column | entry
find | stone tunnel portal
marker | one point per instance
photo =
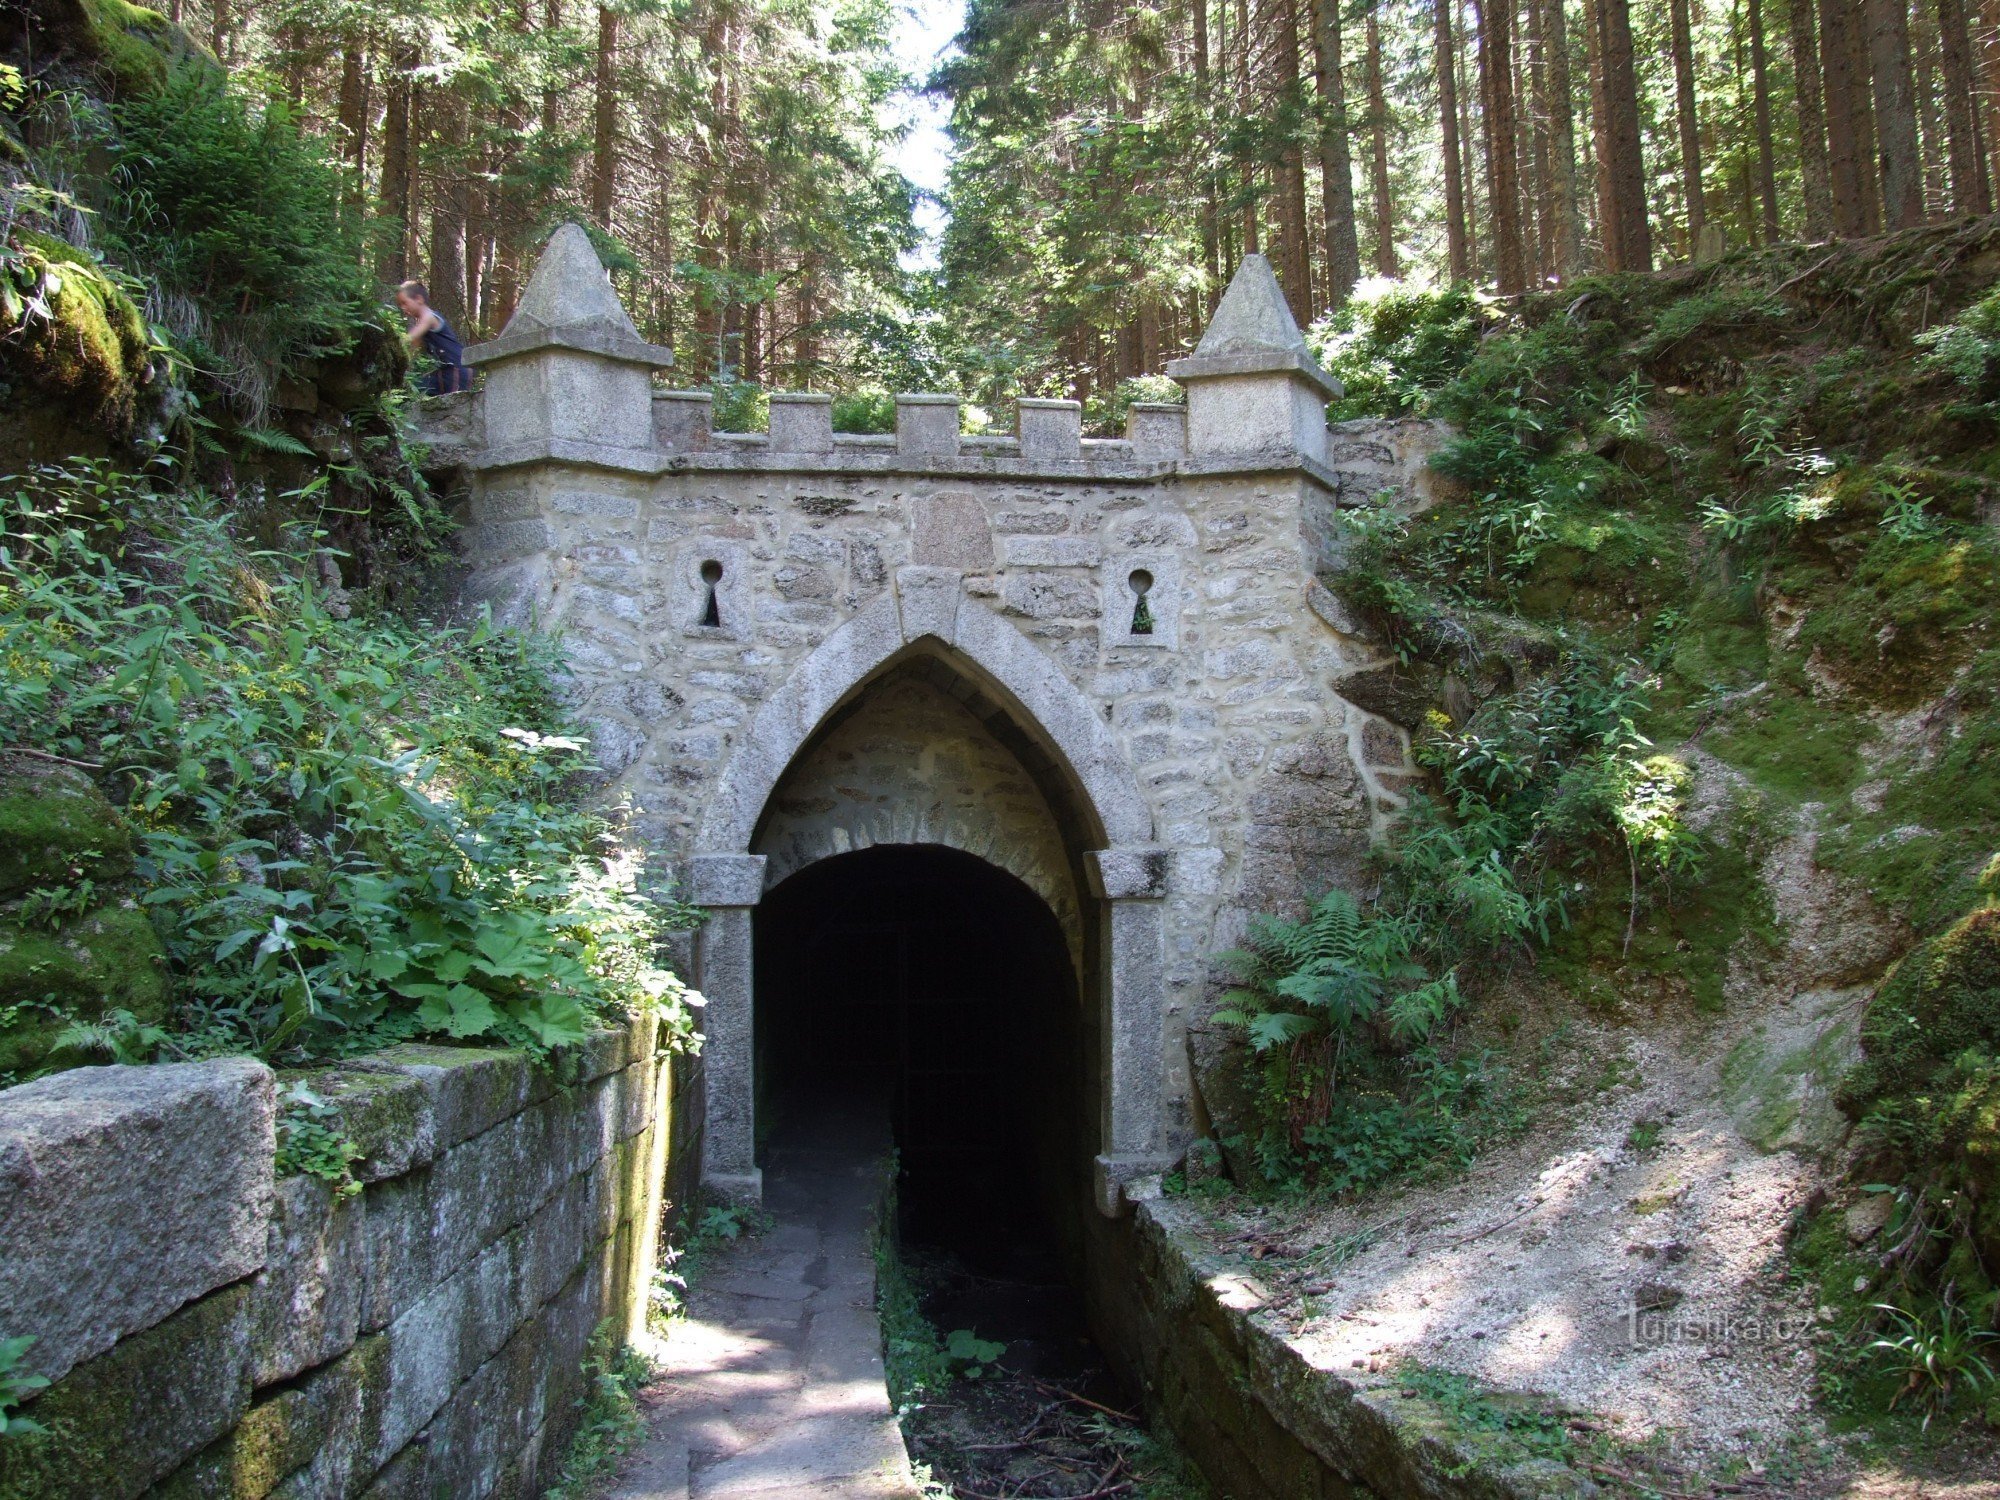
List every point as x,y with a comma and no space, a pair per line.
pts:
922,944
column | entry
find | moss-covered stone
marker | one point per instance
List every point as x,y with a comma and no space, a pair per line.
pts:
327,1421
126,1419
1942,1000
110,959
92,350
127,47
1778,1083
55,826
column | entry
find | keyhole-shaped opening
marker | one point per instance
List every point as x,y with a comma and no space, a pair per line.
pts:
711,609
1141,584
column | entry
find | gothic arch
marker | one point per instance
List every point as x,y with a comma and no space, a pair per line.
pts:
929,611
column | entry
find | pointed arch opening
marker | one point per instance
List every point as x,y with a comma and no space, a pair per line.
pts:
929,721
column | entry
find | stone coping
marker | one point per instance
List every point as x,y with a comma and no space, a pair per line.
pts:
750,453
607,342
1295,362
1361,1426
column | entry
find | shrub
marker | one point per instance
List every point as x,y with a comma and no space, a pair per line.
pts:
350,829
870,409
232,206
1396,345
1105,413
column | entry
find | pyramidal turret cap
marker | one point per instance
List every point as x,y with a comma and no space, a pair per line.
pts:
1254,333
570,304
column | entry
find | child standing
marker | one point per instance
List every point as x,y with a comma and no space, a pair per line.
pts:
433,336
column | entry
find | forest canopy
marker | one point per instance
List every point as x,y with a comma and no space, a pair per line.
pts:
1112,159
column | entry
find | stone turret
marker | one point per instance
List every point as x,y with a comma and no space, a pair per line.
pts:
569,375
1253,388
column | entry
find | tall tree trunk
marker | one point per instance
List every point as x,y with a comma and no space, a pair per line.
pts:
1846,148
1458,256
1740,71
1211,237
1605,191
1294,257
1531,147
1767,155
1687,120
1624,152
1988,43
351,118
1568,259
1861,72
1245,106
1503,184
450,195
1970,193
1896,113
1467,92
1930,112
1343,248
604,119
1814,175
1378,128
552,25
397,156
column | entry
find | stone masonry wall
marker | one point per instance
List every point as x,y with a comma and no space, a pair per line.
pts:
1265,786
213,1331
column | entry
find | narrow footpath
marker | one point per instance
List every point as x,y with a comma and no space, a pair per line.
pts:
771,1387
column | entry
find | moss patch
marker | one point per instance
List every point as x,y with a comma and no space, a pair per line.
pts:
55,826
92,351
119,1422
1940,1001
128,47
107,960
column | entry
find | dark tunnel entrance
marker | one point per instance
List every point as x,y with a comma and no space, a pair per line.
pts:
938,989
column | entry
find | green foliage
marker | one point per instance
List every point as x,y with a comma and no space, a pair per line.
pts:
970,1355
1105,413
1333,974
1967,349
117,1036
1506,1426
71,327
228,204
1935,1356
681,1265
351,829
869,409
1940,1002
16,1388
1346,1014
1396,345
609,1421
311,1140
914,1358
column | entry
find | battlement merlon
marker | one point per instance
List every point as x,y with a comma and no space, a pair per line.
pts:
569,381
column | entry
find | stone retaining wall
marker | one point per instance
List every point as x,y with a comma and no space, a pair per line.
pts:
213,1331
1259,1419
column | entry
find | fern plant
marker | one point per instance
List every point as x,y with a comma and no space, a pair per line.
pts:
1337,971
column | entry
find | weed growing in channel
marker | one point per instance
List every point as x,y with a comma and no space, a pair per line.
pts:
311,1141
610,1421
